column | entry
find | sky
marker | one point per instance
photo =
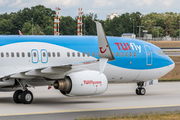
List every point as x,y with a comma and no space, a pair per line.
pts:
100,7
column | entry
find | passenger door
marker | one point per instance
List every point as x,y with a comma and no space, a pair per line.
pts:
148,55
44,56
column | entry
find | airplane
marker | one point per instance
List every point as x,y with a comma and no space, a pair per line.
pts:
78,65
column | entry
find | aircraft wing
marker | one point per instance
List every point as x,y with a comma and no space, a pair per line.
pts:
52,72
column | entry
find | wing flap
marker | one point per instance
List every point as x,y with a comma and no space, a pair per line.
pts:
55,70
36,72
21,76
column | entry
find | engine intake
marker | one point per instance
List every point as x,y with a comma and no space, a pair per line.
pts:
64,85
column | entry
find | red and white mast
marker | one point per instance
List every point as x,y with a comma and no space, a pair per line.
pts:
56,21
79,22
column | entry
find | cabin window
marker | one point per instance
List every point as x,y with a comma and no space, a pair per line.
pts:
49,54
78,54
2,54
134,54
7,54
98,54
12,54
58,54
34,54
121,54
83,54
117,54
29,54
130,54
44,54
126,54
68,54
93,54
17,54
88,54
73,54
53,54
23,55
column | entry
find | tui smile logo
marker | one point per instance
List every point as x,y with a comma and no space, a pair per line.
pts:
100,48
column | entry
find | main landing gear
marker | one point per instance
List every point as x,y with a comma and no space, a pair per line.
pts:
23,96
140,90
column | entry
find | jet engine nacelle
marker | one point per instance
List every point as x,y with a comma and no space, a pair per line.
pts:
82,83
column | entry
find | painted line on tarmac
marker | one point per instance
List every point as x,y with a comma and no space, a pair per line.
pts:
89,110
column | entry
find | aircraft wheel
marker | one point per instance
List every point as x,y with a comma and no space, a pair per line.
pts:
17,96
27,97
137,91
142,91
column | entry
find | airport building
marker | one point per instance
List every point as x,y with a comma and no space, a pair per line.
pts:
129,35
112,16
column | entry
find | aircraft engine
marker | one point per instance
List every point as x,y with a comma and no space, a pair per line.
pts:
82,83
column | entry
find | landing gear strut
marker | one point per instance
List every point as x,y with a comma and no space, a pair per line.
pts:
23,96
140,90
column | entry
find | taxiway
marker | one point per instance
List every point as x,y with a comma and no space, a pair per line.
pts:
119,99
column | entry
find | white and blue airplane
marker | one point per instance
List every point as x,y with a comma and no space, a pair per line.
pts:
78,65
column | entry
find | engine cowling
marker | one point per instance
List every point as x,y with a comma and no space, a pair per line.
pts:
82,83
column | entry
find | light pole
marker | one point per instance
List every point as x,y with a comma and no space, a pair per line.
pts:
179,29
84,26
133,26
140,30
32,26
157,30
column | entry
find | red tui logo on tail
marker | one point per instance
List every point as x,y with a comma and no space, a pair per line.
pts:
100,48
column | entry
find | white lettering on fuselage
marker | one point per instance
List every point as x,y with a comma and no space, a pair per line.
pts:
135,47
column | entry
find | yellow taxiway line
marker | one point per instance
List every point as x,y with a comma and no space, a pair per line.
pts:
88,110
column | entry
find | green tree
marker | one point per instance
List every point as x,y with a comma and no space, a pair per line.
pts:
67,26
49,30
27,29
37,30
6,26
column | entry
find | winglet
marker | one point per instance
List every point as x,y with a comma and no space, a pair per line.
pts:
104,48
20,32
105,53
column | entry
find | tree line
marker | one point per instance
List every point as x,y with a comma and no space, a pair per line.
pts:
42,19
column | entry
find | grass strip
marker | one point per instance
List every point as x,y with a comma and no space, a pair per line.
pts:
149,116
168,80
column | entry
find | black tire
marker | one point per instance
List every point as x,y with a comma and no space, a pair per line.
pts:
17,96
142,91
137,91
27,97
